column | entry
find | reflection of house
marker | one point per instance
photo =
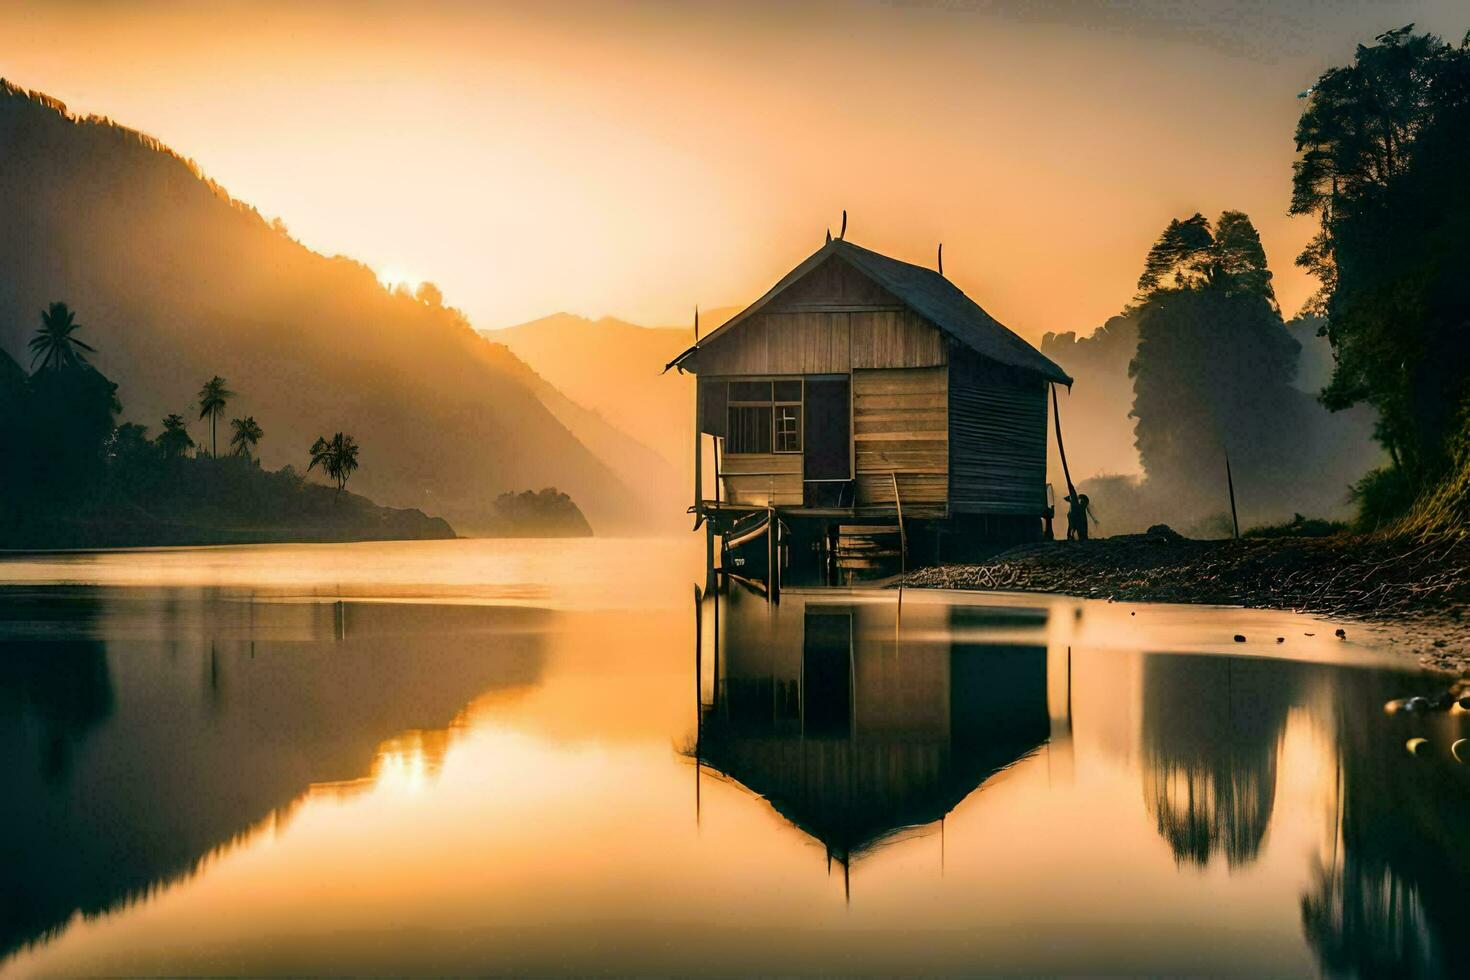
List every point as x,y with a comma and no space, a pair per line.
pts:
854,733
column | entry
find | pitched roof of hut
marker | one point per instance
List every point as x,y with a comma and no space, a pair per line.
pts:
810,783
924,291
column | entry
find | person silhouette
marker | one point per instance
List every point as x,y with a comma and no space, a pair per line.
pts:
1077,515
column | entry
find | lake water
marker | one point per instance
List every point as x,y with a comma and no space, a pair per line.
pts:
481,757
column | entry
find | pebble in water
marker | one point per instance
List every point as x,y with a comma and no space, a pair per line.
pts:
1239,638
1417,746
1461,749
1341,633
1417,704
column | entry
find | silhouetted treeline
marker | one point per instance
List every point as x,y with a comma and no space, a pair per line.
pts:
1382,150
72,477
548,513
1382,154
1201,365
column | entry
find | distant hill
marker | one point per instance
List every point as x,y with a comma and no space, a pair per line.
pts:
647,472
176,281
1096,429
613,368
1099,433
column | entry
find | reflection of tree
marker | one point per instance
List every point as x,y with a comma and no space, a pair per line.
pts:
1393,903
53,694
1212,727
1367,922
63,687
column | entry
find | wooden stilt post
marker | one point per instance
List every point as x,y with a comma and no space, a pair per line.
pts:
698,694
709,557
773,556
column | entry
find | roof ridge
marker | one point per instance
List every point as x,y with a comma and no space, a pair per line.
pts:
925,291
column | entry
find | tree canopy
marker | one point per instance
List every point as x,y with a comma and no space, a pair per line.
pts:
56,345
336,456
1382,148
1213,370
212,398
247,435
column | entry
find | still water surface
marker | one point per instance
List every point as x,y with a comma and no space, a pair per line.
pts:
546,757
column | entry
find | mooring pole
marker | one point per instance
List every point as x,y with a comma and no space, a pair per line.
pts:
698,507
698,694
1056,414
1230,482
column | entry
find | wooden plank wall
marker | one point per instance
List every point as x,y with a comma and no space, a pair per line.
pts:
838,321
764,479
900,424
998,439
824,342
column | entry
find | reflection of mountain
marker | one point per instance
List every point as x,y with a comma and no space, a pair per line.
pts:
1393,903
178,741
855,726
177,282
1212,729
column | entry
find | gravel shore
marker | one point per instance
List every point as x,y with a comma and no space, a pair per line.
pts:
1421,588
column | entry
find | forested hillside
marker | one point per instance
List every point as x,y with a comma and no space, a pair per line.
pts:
178,282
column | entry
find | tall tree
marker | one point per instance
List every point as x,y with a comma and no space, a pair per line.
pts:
212,399
336,456
68,420
1382,147
1213,369
247,434
56,345
174,440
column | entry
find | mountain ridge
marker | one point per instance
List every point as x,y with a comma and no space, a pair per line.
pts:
614,367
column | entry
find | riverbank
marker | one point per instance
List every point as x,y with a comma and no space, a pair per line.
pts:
1420,588
381,524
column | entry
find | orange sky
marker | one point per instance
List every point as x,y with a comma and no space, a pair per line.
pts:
635,159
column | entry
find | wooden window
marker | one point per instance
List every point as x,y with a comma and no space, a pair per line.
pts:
788,428
764,417
749,430
750,391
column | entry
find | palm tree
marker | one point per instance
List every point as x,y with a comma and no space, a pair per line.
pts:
337,457
54,345
174,440
247,434
212,398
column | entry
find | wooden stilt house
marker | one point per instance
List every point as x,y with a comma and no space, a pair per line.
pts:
862,391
